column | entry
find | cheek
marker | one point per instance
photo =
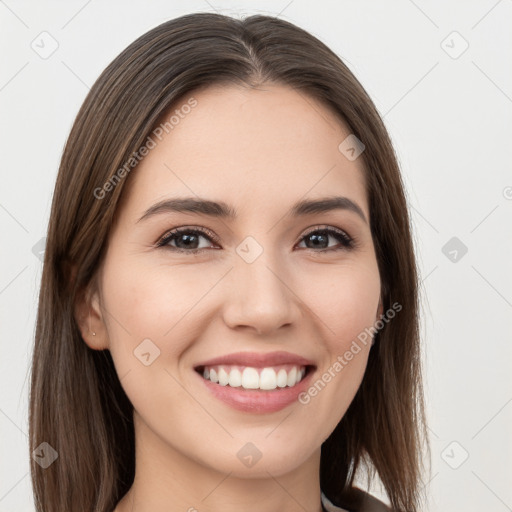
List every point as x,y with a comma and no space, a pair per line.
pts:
149,309
159,302
346,308
151,303
155,302
344,299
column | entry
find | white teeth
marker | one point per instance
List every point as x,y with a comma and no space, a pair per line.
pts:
252,378
268,379
235,378
282,378
292,377
223,377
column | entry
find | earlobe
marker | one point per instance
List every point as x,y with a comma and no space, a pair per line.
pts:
89,318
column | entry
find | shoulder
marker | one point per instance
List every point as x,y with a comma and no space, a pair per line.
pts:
357,501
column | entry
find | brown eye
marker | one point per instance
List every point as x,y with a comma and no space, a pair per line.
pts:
186,239
319,239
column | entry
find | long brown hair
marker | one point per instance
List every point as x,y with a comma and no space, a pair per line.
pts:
77,403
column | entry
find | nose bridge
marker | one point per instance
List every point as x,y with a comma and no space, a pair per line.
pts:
261,297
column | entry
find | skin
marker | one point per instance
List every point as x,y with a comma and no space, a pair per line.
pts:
259,151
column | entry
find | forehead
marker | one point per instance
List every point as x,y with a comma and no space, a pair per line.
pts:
265,147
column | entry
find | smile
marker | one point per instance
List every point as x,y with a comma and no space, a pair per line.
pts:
268,378
256,382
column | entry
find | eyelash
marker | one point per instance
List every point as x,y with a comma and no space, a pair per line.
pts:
347,243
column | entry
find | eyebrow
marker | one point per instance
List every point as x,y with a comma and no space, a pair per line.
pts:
220,209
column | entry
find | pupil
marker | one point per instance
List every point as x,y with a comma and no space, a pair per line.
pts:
318,238
315,238
189,239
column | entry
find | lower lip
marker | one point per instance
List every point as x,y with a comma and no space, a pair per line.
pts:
256,400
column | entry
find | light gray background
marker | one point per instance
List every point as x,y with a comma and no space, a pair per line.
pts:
449,115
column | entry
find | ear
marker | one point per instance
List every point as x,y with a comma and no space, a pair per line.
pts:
89,317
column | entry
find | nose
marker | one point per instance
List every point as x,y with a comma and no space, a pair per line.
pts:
260,297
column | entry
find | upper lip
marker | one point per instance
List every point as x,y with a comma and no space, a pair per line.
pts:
258,359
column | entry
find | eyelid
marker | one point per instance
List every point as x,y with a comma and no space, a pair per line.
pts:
325,227
188,229
350,241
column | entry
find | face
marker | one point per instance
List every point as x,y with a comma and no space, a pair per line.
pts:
267,298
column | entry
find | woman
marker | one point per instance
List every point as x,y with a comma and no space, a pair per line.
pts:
228,314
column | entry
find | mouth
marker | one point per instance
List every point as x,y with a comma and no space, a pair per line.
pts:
269,378
256,382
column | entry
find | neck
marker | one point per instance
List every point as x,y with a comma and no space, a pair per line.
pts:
167,480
